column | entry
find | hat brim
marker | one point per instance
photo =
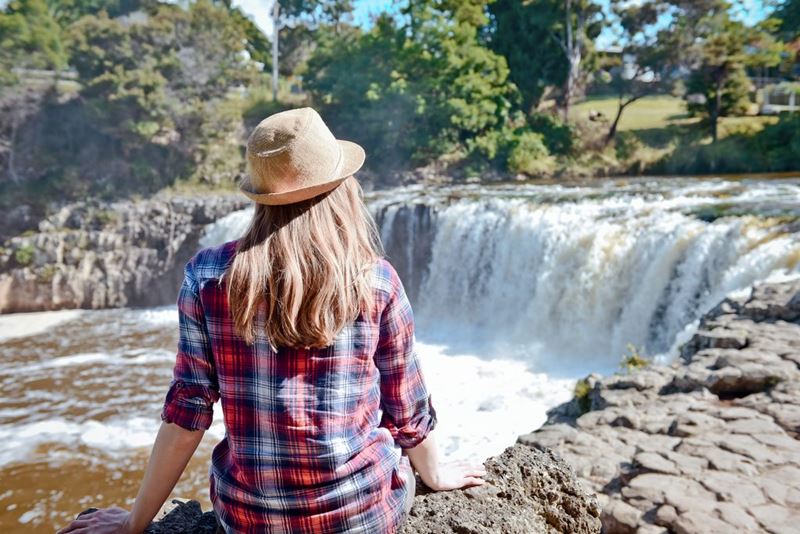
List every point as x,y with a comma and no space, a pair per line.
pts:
353,157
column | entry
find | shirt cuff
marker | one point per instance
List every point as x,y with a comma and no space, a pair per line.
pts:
416,430
189,406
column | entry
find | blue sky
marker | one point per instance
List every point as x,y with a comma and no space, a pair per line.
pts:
365,11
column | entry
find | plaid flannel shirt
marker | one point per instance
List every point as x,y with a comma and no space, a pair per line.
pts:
313,436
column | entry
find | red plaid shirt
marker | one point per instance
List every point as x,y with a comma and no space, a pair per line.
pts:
313,436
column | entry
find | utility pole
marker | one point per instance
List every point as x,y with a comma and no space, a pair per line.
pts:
276,8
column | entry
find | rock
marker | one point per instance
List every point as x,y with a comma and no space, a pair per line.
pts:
709,445
694,522
90,255
527,491
620,518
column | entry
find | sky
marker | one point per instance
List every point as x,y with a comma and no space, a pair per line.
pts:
365,10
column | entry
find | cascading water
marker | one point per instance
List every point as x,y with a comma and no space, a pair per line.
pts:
520,289
566,277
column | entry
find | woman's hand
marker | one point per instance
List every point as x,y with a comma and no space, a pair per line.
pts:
456,475
112,520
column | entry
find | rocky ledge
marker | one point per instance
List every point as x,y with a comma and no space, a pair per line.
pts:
90,255
709,444
527,492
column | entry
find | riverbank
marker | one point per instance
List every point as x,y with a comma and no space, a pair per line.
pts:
708,444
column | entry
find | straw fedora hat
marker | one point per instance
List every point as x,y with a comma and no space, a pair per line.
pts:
293,156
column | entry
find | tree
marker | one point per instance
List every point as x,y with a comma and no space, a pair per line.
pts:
310,13
788,12
416,90
720,54
29,38
646,55
547,44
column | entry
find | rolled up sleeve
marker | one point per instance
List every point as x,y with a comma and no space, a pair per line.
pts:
194,388
407,409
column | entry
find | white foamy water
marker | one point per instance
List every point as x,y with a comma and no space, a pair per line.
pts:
16,325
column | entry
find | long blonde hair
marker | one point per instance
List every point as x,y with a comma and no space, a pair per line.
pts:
310,264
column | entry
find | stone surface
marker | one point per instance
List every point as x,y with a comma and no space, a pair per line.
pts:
708,444
88,255
528,491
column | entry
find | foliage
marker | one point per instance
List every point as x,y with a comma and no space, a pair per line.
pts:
415,91
581,393
29,38
24,255
529,155
772,149
735,93
522,26
788,13
634,359
721,50
155,105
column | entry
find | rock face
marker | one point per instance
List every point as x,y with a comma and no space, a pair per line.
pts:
527,492
709,444
99,256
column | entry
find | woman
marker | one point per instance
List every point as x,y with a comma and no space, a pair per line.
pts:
306,335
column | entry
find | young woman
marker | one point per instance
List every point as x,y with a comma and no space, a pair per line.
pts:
305,333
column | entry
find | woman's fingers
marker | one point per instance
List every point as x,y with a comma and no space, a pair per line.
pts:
473,481
74,526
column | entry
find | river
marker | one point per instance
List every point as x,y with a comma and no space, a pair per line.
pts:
518,290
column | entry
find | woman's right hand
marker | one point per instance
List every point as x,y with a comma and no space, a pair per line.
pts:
456,475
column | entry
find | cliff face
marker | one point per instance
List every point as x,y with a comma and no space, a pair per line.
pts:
90,255
710,444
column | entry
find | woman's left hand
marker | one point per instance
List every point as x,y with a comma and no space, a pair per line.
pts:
112,520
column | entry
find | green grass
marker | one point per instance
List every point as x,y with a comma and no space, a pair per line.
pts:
657,112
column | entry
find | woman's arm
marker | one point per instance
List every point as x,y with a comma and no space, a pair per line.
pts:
172,450
443,477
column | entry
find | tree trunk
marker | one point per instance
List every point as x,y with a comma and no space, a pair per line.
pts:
276,9
717,107
612,133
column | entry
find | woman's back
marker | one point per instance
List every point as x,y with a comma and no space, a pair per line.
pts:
309,446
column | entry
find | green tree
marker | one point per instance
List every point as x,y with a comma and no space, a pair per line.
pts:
548,44
417,90
788,12
646,55
29,38
723,50
68,11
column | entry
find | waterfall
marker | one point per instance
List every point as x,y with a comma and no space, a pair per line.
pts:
566,277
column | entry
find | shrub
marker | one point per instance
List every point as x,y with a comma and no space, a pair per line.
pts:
581,392
24,255
559,138
529,155
634,360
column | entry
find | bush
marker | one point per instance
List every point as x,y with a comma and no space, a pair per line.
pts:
634,360
581,392
529,155
558,136
24,255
